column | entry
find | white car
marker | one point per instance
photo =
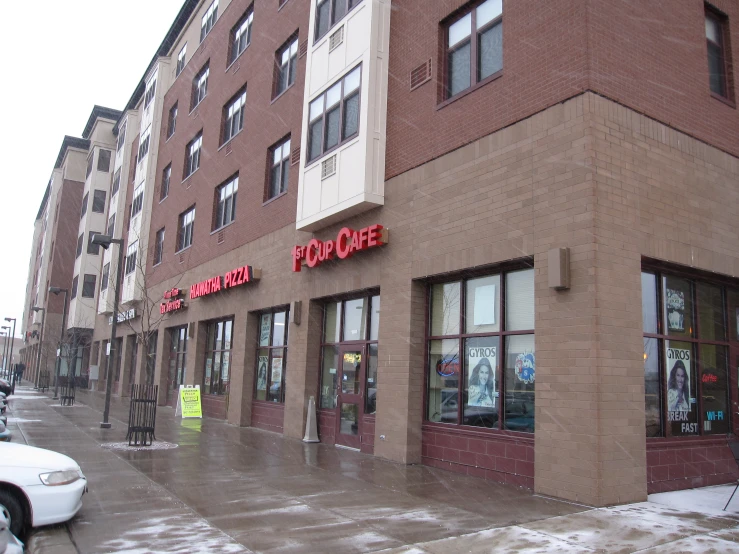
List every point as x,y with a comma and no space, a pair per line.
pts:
38,487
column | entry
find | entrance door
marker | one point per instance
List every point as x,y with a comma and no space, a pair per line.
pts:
177,361
350,398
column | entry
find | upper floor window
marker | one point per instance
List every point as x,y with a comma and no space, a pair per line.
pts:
164,189
200,86
111,226
330,12
85,200
172,120
209,19
150,91
287,62
718,55
159,247
80,242
474,46
192,154
225,206
88,286
105,277
131,257
73,292
92,248
280,171
104,160
121,137
98,201
334,116
138,200
89,164
181,60
233,114
116,182
143,148
241,35
185,229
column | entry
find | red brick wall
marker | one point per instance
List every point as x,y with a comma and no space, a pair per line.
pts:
638,53
214,406
265,123
502,457
268,416
65,242
687,463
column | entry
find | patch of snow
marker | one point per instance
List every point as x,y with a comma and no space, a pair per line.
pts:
21,420
705,500
123,446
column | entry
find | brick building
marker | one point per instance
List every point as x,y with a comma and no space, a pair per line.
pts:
438,220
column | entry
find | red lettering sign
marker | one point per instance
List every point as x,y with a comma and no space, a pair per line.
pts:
172,293
171,306
709,378
346,244
238,276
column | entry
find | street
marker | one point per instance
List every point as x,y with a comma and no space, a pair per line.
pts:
231,489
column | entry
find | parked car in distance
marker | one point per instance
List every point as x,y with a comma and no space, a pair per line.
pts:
38,486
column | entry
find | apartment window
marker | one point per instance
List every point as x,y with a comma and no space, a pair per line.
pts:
104,161
716,30
334,116
480,353
688,340
121,137
280,171
85,198
111,226
209,19
93,249
218,357
143,148
73,292
192,155
133,169
185,229
241,35
105,277
233,114
164,189
88,286
272,356
98,201
172,120
80,242
159,247
225,206
116,182
130,264
138,200
181,60
287,62
150,91
474,46
330,12
200,86
90,158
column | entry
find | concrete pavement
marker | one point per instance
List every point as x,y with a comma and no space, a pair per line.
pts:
231,489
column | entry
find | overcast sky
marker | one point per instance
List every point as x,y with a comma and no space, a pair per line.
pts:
60,58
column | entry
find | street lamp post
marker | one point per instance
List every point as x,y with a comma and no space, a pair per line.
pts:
12,340
5,343
56,291
40,341
105,241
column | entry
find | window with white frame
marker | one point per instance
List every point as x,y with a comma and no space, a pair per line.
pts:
241,35
164,189
200,86
159,247
151,89
185,229
131,257
181,60
233,113
138,200
280,170
334,115
287,63
192,154
209,19
225,203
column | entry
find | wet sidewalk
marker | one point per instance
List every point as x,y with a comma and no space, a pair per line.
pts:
231,489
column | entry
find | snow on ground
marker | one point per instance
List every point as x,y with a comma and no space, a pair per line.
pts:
706,500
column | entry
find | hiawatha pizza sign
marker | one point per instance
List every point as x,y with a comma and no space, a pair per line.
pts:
347,242
239,276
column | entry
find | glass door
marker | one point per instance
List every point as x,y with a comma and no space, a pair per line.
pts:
350,397
177,361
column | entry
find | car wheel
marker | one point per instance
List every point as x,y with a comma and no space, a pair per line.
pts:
12,509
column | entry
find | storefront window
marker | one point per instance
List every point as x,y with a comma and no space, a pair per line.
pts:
218,357
466,381
685,356
272,356
177,361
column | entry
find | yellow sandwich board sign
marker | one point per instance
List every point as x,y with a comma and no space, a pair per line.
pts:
189,402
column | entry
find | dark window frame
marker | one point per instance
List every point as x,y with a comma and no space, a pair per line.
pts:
104,158
166,180
172,120
159,246
284,168
90,160
237,37
223,387
99,196
80,243
271,348
137,204
121,136
75,285
92,248
85,200
724,47
116,183
88,285
181,60
349,5
131,257
203,75
150,93
291,65
105,277
111,226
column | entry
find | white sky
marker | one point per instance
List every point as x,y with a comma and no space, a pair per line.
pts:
60,58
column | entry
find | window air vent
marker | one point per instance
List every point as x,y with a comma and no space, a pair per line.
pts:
336,39
228,149
328,167
421,75
182,258
295,156
221,236
303,50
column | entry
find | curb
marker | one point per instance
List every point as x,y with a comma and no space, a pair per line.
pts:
54,539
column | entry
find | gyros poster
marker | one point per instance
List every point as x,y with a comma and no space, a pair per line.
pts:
678,382
481,364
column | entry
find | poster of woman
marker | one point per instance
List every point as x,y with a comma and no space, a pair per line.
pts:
481,384
262,373
678,380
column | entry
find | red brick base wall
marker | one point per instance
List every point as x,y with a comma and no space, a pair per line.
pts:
327,430
502,457
214,405
268,416
677,464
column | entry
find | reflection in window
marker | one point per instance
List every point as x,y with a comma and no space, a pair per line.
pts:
272,356
216,377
